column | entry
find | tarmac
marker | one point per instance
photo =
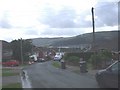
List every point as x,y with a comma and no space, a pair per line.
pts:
17,79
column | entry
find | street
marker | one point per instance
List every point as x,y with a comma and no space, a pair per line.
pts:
44,75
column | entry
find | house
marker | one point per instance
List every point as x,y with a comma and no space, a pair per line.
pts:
6,51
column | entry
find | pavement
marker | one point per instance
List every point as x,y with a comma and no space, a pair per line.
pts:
44,75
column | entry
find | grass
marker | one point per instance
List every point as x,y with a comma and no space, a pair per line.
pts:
8,72
76,71
6,69
89,66
56,64
13,85
5,74
23,65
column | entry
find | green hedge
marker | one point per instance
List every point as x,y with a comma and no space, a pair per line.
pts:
100,59
73,59
85,55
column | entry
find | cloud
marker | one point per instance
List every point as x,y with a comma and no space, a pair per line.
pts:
67,17
31,32
4,22
64,31
119,14
58,31
55,18
107,14
61,19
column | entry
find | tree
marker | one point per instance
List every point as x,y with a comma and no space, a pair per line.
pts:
16,47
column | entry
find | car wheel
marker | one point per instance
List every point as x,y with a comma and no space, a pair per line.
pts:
12,65
101,83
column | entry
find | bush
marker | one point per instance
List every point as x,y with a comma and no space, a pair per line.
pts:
84,55
100,59
73,59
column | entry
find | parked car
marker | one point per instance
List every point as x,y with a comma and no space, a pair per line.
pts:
11,63
108,78
41,60
33,58
57,57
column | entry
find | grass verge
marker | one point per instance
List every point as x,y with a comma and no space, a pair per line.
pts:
8,72
13,85
56,64
89,66
5,74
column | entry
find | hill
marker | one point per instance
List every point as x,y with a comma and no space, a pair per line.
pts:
43,42
105,39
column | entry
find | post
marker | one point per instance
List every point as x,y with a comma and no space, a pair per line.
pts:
1,64
93,24
63,64
59,50
21,51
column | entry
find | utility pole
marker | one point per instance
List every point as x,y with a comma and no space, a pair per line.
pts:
21,51
93,24
93,42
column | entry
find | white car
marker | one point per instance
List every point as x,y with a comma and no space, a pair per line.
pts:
57,57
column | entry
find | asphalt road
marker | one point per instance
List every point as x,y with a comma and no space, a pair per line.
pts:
44,75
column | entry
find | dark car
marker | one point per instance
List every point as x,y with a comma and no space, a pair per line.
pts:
41,60
108,78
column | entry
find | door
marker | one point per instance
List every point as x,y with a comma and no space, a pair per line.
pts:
111,76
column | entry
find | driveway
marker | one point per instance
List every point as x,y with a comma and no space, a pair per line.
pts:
44,75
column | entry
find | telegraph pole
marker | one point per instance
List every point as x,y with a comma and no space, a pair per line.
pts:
93,24
21,51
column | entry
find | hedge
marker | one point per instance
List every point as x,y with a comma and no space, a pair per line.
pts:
85,55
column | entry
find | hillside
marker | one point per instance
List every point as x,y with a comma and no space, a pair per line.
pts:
46,41
106,39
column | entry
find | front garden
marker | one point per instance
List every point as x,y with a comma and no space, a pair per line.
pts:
94,60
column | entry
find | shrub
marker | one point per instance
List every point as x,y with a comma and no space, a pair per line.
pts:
100,59
73,59
85,55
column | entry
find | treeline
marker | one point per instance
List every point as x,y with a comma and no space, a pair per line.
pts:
16,46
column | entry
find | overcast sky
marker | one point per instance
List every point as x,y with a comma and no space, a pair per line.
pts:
55,18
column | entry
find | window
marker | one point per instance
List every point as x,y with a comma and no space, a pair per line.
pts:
116,67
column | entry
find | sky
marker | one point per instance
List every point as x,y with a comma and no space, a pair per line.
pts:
55,18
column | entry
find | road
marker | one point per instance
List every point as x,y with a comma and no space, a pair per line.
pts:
44,75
